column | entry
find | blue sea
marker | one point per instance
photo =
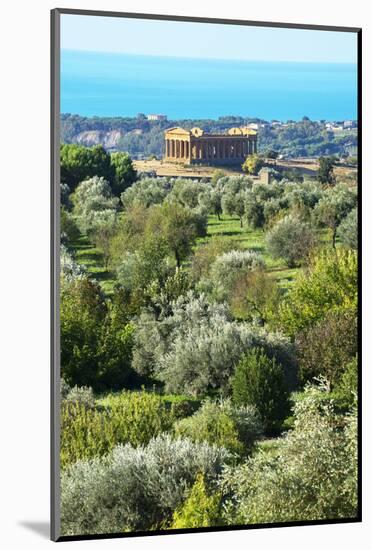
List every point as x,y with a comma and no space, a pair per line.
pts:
105,84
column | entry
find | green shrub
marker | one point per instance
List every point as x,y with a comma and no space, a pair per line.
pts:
327,347
181,406
312,475
260,381
201,508
348,385
330,284
134,488
96,346
129,417
228,267
290,239
221,424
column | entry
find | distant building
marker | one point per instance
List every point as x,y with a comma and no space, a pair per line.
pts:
156,117
195,146
348,124
334,127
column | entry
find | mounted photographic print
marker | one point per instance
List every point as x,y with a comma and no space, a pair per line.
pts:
205,274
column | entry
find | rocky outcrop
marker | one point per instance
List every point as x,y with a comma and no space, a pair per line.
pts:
109,139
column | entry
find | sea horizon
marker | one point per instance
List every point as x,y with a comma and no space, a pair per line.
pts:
122,85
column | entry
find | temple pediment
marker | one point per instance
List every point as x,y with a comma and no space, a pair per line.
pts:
178,131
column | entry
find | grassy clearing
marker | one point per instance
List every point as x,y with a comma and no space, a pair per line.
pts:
90,257
229,228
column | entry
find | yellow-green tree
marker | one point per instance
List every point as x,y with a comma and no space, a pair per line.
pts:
201,508
252,164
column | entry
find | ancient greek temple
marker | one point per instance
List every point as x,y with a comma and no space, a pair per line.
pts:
196,147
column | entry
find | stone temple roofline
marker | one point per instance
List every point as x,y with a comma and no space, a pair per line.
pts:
198,132
196,146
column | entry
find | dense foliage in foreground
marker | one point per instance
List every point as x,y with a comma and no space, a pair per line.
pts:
311,475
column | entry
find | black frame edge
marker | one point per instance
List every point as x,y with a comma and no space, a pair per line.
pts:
54,283
194,19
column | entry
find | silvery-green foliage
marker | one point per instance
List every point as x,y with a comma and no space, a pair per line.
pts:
348,229
157,328
203,358
186,192
291,239
303,196
233,184
146,192
81,394
94,204
193,345
69,268
137,271
134,488
312,475
248,422
228,267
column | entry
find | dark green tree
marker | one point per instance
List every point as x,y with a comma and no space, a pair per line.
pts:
326,170
79,163
260,381
124,172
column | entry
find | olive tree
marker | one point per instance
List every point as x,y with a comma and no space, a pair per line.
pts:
291,240
334,207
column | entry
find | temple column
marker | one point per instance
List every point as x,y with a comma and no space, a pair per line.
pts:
182,149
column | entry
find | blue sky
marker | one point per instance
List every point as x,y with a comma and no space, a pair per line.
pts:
203,40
